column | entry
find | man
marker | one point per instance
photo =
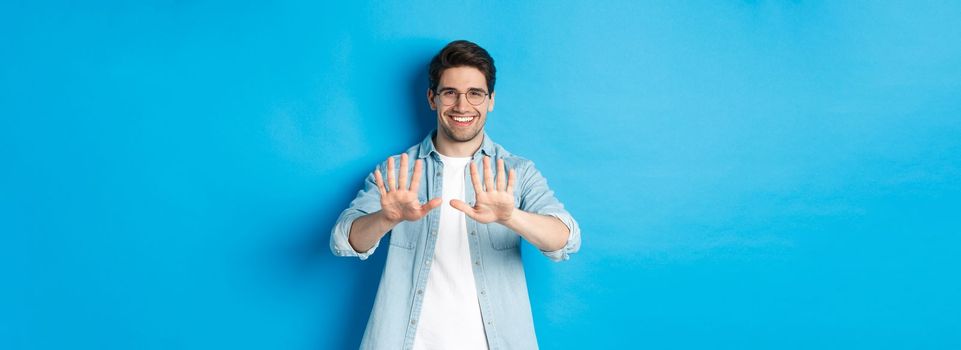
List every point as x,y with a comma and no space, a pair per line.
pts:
454,277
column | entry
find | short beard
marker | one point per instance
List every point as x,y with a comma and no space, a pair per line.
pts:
450,133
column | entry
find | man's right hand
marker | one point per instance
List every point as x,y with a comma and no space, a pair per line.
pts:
397,202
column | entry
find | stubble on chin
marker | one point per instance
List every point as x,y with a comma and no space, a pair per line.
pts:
461,138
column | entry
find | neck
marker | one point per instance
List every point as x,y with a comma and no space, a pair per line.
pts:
452,148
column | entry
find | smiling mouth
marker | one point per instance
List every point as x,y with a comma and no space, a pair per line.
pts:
462,120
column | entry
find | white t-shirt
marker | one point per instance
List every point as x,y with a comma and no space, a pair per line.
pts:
450,315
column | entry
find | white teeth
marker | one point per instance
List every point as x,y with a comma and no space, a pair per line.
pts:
463,119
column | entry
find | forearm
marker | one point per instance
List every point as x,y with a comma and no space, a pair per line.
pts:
547,233
367,230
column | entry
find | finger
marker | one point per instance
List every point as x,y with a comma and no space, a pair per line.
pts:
462,206
430,205
488,175
391,182
418,170
403,171
380,181
501,176
475,179
511,178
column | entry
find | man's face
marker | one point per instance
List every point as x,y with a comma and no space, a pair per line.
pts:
461,121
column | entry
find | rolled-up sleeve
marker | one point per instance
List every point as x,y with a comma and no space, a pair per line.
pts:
538,198
367,201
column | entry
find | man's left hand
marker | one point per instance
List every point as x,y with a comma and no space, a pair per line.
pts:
496,204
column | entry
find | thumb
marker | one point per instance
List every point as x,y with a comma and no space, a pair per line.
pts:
430,205
462,206
433,203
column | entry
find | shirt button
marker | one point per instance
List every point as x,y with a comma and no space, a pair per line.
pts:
415,322
483,292
421,291
477,262
473,233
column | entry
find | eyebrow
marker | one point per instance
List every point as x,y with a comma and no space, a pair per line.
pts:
469,89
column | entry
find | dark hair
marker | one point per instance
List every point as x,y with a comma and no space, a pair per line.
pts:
461,53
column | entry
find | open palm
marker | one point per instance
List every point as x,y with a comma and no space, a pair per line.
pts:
496,204
398,202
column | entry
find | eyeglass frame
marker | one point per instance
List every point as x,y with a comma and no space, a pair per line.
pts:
438,94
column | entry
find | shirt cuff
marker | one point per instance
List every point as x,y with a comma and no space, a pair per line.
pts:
339,243
573,239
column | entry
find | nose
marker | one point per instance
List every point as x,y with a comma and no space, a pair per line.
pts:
461,104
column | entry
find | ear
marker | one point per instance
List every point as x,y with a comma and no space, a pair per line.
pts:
490,106
430,99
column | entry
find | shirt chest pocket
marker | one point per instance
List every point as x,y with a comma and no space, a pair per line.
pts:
501,238
405,234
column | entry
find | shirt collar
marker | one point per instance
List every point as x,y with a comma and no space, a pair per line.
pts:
427,146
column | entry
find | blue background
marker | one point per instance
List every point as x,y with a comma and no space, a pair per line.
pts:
747,174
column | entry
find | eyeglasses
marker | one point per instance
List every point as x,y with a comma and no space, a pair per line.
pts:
450,96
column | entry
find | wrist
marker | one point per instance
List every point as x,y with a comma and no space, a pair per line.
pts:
509,221
388,222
